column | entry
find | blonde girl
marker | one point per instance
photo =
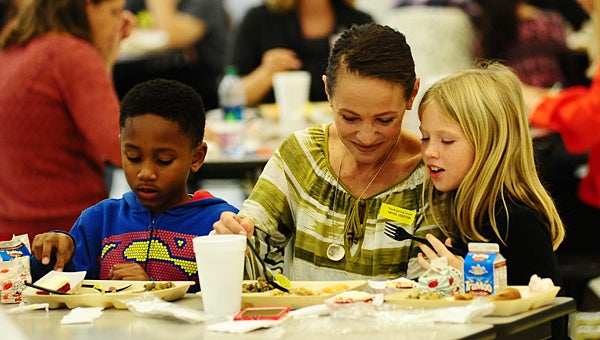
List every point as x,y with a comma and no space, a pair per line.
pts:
483,184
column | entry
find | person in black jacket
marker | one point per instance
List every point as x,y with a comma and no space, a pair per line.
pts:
289,35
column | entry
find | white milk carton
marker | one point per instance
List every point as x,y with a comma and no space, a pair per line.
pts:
484,269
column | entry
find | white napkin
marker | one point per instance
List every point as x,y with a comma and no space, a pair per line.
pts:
82,315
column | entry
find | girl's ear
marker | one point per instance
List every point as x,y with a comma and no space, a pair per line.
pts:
198,155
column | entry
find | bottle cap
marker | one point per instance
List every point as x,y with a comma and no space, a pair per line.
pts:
230,69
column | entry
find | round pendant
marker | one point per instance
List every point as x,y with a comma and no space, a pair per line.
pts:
335,252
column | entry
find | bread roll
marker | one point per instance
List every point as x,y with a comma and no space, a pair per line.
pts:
507,294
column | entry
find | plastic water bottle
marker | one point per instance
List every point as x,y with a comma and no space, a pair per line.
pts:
232,99
232,96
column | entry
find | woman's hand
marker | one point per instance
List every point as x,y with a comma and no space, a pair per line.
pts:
231,223
258,82
438,251
280,59
128,271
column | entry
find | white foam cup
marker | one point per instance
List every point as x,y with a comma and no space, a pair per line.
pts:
292,89
220,260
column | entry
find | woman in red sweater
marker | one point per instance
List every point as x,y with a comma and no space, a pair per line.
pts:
59,111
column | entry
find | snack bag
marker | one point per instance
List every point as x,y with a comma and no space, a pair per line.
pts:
17,247
14,268
441,278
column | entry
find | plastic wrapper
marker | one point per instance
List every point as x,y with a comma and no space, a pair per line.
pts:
398,287
354,304
441,278
388,321
149,305
14,268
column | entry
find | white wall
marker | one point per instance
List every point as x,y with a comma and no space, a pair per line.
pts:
377,8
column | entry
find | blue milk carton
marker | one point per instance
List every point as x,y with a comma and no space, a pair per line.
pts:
484,269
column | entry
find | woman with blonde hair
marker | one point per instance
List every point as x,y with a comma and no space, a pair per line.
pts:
483,185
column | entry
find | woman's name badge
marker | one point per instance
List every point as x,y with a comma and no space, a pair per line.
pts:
397,214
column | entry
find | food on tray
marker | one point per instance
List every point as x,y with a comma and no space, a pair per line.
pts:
58,283
352,296
463,296
508,293
538,285
401,283
303,291
427,295
336,288
296,291
152,286
260,285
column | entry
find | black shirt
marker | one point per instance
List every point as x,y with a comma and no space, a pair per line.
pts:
262,30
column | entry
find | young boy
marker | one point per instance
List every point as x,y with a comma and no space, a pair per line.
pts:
147,234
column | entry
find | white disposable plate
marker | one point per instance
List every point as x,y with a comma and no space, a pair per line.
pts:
502,307
90,297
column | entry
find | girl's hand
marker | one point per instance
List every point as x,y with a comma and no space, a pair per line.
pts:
129,272
231,223
438,251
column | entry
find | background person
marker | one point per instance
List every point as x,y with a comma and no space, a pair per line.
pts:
8,12
573,113
197,31
59,111
319,208
284,35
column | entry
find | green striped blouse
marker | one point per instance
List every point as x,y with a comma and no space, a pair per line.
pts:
296,218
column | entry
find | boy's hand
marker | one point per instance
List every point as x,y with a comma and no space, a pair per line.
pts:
129,272
46,244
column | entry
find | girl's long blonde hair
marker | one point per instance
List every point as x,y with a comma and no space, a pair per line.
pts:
488,104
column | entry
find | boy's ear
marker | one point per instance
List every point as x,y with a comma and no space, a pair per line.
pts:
199,153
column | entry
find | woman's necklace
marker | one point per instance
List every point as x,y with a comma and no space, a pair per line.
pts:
335,251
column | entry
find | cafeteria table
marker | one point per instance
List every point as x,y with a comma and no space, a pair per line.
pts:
123,324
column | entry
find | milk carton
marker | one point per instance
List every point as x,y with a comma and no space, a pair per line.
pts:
484,269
